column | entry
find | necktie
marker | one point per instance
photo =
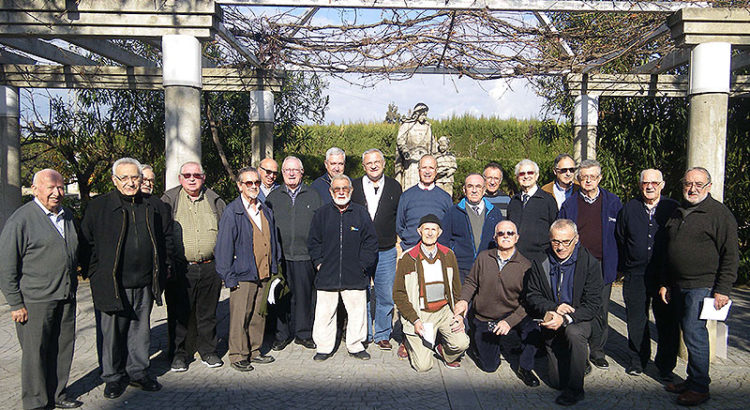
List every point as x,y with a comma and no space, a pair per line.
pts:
376,189
525,199
475,208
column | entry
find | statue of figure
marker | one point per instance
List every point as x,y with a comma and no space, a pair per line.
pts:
446,166
414,140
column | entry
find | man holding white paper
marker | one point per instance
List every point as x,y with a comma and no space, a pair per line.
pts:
426,287
703,258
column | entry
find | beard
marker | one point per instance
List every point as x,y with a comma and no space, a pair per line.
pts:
342,201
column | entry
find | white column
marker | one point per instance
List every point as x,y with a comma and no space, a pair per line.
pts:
708,98
182,79
10,153
261,123
585,121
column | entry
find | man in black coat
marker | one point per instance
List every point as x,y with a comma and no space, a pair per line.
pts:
343,247
380,195
565,290
127,240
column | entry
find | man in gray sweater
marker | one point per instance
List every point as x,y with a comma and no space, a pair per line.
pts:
38,262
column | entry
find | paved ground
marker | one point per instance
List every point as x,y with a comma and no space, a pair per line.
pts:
295,381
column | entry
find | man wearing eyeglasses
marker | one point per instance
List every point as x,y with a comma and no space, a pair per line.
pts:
149,178
494,285
193,289
335,162
269,171
641,239
703,258
493,177
564,186
595,210
564,292
532,210
126,248
247,256
293,205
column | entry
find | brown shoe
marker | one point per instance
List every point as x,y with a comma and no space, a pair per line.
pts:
692,398
384,345
677,388
402,353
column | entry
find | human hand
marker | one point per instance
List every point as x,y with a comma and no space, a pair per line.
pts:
20,315
419,328
458,324
502,328
720,300
553,321
461,307
564,309
664,295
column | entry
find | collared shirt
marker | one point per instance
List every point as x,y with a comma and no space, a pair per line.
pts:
371,196
426,187
197,226
478,208
502,262
254,213
58,220
561,194
591,200
267,190
292,192
531,192
428,254
651,209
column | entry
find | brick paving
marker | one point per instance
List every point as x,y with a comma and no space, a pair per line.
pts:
295,381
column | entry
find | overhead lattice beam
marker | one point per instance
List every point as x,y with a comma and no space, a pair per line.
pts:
8,57
235,44
643,85
112,51
46,51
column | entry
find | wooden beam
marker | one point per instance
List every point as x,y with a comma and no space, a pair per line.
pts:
235,44
550,26
46,51
643,85
132,6
495,5
663,29
729,25
672,60
112,51
8,57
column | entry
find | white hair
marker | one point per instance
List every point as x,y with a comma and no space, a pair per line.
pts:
192,163
661,177
292,158
127,160
590,163
373,150
526,162
562,224
335,151
340,177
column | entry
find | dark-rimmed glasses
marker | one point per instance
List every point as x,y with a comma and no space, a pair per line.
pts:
194,175
505,233
250,184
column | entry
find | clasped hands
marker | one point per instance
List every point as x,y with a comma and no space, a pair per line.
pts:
554,319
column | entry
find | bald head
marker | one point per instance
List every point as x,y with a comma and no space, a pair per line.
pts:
268,171
49,189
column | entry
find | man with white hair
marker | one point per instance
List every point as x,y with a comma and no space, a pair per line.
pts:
149,179
335,162
703,258
532,210
343,245
126,248
38,276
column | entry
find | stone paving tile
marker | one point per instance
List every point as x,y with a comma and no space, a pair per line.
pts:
295,381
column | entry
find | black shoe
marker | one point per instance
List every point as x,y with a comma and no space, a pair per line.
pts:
527,377
362,355
178,364
587,371
568,400
212,360
600,363
68,404
113,390
634,371
279,345
146,384
307,343
319,357
242,366
264,359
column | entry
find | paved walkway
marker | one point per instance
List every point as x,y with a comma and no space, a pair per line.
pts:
295,381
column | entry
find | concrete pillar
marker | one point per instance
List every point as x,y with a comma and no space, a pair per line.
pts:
585,121
708,97
10,153
182,79
261,125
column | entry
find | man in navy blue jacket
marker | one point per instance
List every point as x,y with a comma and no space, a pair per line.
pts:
469,226
247,255
594,210
343,246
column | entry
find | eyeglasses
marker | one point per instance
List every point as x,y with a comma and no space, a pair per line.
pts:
697,185
505,233
588,177
250,184
128,178
150,180
268,171
291,170
524,173
340,189
196,176
557,242
565,170
651,183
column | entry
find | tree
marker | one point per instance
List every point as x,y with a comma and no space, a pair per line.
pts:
392,116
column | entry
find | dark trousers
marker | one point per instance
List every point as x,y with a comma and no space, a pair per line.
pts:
600,325
46,340
126,337
299,321
689,303
567,350
637,301
487,344
191,310
668,336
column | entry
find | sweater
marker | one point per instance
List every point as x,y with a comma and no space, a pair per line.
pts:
414,204
703,249
533,222
322,186
385,216
293,221
458,234
496,293
36,263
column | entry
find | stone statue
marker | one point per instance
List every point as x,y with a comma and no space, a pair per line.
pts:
446,166
414,140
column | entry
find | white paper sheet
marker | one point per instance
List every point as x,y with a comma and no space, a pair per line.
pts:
429,333
272,291
709,312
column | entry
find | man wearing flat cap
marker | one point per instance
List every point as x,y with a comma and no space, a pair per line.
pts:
426,287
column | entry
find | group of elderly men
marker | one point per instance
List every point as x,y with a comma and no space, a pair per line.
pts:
539,264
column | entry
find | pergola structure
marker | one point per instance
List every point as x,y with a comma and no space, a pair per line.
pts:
34,53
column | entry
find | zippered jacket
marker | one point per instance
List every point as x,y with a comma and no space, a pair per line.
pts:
344,245
103,229
459,236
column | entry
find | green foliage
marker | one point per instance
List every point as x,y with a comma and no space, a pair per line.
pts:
392,116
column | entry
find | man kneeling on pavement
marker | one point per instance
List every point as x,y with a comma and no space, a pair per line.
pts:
495,284
426,286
